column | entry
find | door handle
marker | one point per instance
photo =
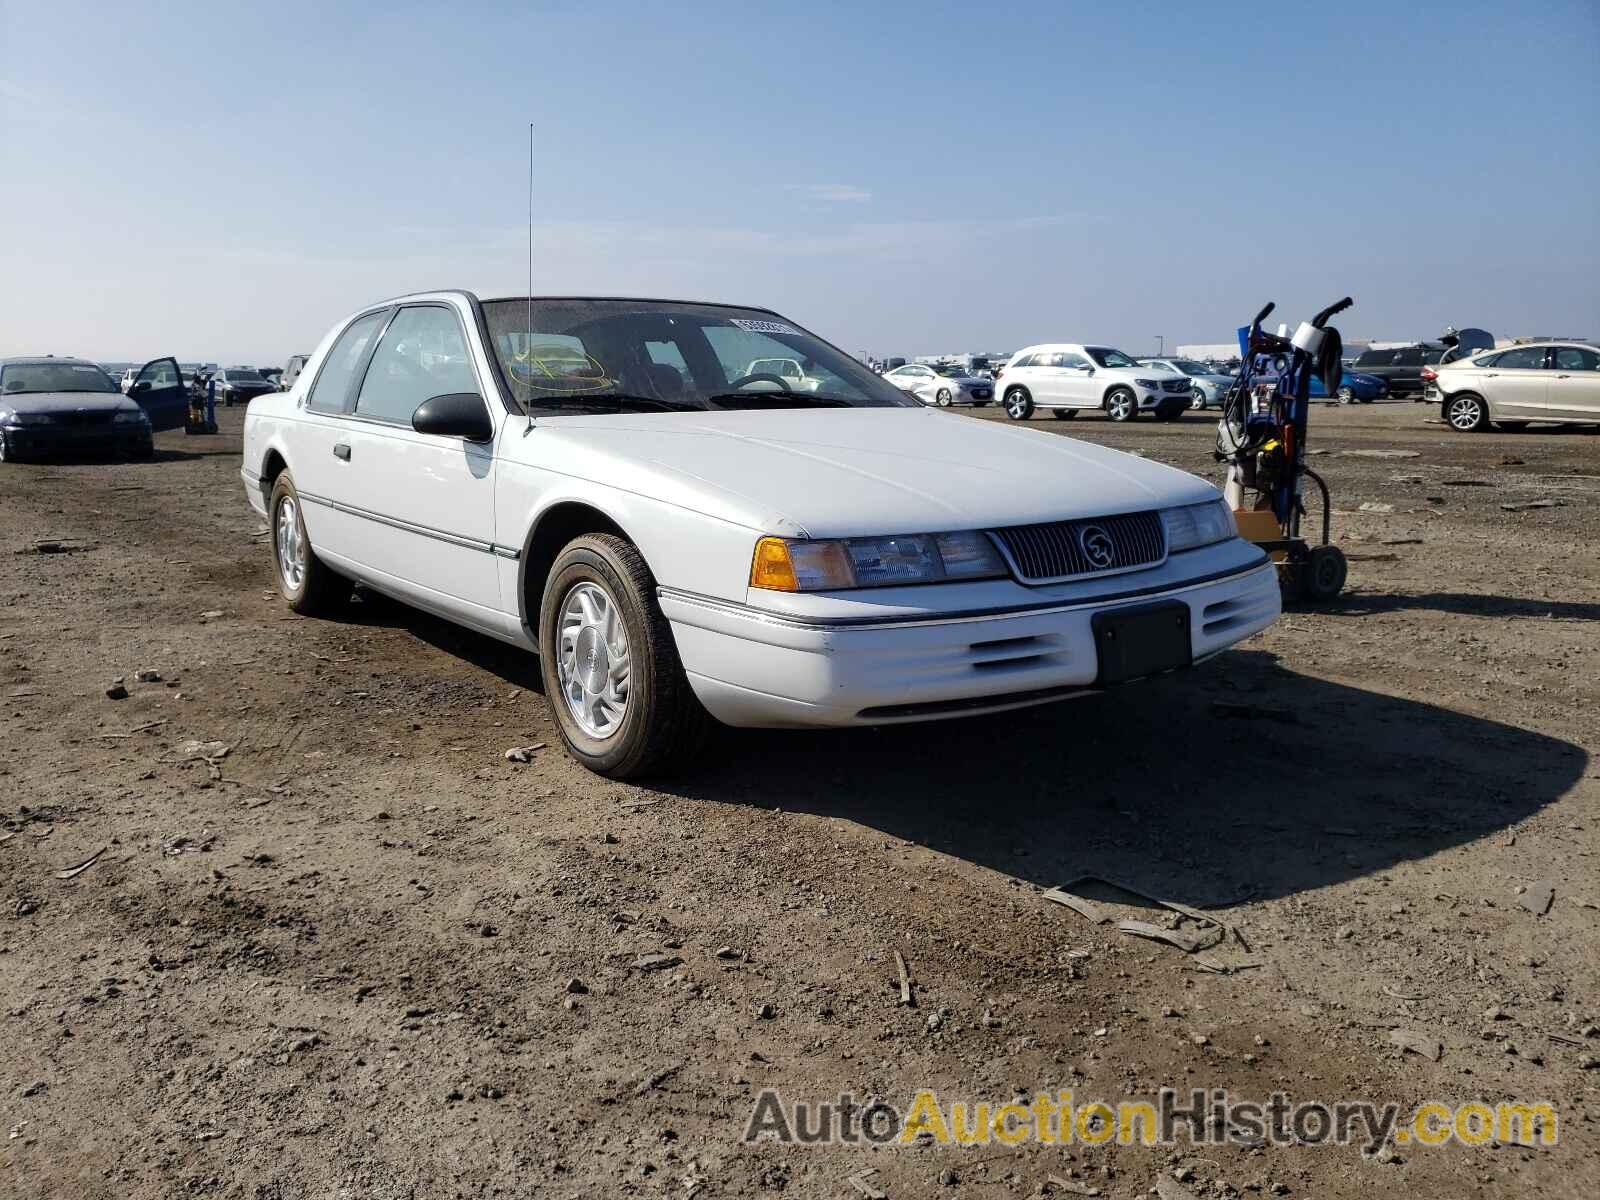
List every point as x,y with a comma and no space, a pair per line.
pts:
341,450
1563,377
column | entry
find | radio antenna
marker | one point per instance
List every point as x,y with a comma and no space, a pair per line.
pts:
527,346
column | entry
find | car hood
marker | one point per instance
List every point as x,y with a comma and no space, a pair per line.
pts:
852,472
66,402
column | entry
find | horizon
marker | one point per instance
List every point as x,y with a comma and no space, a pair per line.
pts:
893,189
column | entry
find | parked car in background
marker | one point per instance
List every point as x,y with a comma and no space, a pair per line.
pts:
271,375
291,371
1401,368
1069,377
686,545
942,385
1544,381
1210,385
240,385
1355,387
67,405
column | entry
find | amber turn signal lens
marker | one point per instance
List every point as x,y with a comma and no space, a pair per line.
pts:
772,567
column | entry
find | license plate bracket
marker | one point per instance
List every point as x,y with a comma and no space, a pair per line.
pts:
1132,643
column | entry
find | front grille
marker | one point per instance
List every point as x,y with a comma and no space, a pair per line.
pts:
79,419
1175,385
1046,553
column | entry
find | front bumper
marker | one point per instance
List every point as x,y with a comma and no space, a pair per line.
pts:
43,440
754,668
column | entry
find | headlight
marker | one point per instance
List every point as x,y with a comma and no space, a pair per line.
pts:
130,418
1198,525
798,565
1153,385
32,419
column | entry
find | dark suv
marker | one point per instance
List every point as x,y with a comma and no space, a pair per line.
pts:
1402,368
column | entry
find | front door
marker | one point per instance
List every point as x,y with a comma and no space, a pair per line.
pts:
158,389
425,502
1077,382
1574,389
1516,383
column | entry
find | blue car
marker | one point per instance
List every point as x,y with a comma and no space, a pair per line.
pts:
1353,387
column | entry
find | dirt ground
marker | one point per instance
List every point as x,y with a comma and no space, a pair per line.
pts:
336,961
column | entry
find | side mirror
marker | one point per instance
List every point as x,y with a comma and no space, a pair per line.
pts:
1088,371
140,387
455,414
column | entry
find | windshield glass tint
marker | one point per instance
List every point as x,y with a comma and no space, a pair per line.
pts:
1189,367
54,377
1109,358
693,356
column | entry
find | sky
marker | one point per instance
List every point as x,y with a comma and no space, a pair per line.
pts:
224,181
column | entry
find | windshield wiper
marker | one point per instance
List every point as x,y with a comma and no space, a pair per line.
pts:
622,400
775,400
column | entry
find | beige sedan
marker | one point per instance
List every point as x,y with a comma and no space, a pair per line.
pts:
1511,387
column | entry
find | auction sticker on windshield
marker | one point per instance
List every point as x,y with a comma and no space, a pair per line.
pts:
762,326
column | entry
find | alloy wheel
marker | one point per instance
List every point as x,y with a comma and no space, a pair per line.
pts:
1465,414
592,660
1347,395
291,547
1121,407
943,398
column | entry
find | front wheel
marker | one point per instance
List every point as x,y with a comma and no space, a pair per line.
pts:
1121,405
612,676
1466,414
1019,405
942,398
310,587
1198,400
1347,395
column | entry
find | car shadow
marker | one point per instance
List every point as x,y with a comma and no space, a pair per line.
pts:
1237,781
1359,604
1241,780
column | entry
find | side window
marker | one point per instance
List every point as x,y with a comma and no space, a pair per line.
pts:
423,354
1571,358
1027,360
332,387
1075,361
1524,358
1375,358
1409,358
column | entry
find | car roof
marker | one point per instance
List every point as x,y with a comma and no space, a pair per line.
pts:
44,359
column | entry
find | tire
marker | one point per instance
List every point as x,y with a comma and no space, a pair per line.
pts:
1019,405
6,454
1198,400
1324,572
1466,413
1121,404
942,398
1347,395
662,725
1511,426
311,587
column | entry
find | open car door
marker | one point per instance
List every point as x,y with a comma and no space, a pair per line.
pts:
158,389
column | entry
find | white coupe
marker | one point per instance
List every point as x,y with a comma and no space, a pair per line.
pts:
683,541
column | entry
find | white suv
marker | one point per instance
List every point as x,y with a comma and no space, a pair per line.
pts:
1066,377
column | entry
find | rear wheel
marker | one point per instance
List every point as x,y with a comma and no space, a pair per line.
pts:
310,587
1121,405
1466,413
612,675
1019,405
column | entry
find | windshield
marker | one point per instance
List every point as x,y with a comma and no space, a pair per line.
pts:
1189,367
950,369
1109,358
587,354
240,375
23,378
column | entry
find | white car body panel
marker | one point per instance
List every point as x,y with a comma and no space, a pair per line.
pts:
1560,392
445,525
